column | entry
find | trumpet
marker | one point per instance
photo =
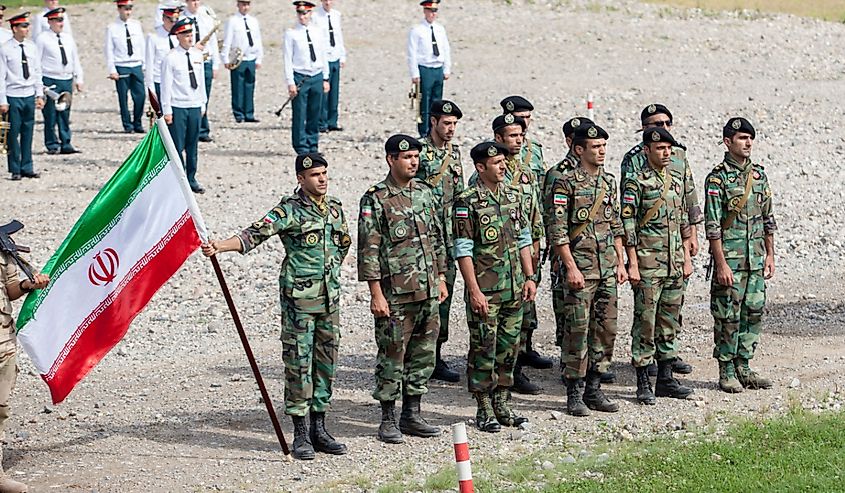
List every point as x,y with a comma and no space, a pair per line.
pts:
236,57
4,133
62,100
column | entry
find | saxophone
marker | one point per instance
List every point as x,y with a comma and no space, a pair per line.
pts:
204,40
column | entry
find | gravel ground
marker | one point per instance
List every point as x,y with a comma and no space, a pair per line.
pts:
174,406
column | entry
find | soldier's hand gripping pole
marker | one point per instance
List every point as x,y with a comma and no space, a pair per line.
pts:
264,395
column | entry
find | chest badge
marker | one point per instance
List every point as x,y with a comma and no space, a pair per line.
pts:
312,239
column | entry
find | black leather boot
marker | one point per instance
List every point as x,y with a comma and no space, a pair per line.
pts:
321,439
667,385
532,358
574,403
411,423
681,367
594,398
522,384
302,448
442,371
645,394
387,430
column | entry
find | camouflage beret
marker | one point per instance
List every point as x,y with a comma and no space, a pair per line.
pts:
401,143
572,124
484,150
737,125
310,160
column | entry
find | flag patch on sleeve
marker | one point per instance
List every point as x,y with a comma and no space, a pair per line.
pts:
713,192
366,211
461,212
560,199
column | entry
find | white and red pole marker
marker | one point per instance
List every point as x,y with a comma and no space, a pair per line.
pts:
459,438
590,112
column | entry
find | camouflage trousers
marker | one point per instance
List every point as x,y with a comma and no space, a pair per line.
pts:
493,345
657,312
446,305
8,376
309,350
558,306
738,315
590,315
406,342
529,319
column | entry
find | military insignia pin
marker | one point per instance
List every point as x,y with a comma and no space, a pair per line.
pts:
736,124
307,162
404,145
311,239
509,119
447,108
592,133
492,151
582,214
509,105
655,136
485,220
652,108
575,123
490,234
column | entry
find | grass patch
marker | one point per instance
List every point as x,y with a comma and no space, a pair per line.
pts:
831,10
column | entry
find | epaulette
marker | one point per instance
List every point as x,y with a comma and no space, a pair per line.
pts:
334,200
536,143
422,182
680,145
758,165
466,193
719,168
636,150
378,186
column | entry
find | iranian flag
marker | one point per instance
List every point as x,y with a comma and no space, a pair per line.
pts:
132,238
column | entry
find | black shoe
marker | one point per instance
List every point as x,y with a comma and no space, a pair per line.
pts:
31,175
53,151
411,423
139,131
388,432
608,377
239,120
321,439
444,373
324,130
302,448
681,366
198,189
206,138
522,384
336,129
16,177
251,120
535,360
485,417
645,394
667,385
68,150
127,130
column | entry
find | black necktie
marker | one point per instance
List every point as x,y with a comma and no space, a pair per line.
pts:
197,30
310,46
248,34
331,30
24,63
191,71
434,47
62,49
129,49
170,41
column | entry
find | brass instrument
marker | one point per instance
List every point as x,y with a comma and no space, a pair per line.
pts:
62,100
415,95
204,40
236,57
4,133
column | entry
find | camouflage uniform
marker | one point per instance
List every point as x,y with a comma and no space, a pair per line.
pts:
316,241
658,240
738,310
590,312
445,186
400,243
8,340
492,229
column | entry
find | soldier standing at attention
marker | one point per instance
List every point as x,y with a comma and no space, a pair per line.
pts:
125,63
587,235
307,77
493,247
429,59
159,44
329,20
654,216
204,22
313,230
657,115
402,258
740,226
440,167
243,34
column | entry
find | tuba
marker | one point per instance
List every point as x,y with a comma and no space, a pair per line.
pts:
236,56
61,100
4,133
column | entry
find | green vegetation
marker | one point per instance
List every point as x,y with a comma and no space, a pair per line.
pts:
831,10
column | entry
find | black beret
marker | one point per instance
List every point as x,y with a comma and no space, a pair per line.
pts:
310,160
654,109
444,107
516,103
484,150
506,120
736,125
570,125
658,134
592,131
401,143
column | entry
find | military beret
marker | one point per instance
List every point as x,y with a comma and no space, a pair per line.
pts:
516,103
570,125
737,125
591,131
19,20
310,160
658,134
484,150
444,107
183,26
401,143
54,14
654,109
506,120
303,6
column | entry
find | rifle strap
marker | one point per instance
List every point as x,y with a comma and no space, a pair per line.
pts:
655,209
734,211
434,180
593,211
526,160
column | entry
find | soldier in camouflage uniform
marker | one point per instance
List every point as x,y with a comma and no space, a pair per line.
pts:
740,226
493,248
313,231
530,156
440,166
657,115
402,257
586,234
654,216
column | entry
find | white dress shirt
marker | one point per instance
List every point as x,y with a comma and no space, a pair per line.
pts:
421,51
40,24
176,90
159,44
236,37
51,56
206,23
117,54
5,35
336,53
298,55
12,82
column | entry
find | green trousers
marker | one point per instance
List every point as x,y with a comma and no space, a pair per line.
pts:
131,85
306,106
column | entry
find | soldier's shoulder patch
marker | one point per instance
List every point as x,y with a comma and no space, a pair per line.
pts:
631,184
627,211
719,168
635,150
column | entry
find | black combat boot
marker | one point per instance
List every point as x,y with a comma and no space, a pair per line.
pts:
608,377
302,448
594,398
645,395
411,423
321,439
387,430
532,358
652,369
522,384
681,367
667,385
442,371
502,408
485,418
574,404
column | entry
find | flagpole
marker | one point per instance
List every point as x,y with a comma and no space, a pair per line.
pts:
171,151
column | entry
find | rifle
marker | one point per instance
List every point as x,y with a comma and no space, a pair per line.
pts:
415,95
290,98
8,246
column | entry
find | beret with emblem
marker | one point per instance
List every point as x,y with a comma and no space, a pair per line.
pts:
484,150
658,134
573,123
516,103
654,109
444,107
591,131
507,120
401,143
738,125
310,160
